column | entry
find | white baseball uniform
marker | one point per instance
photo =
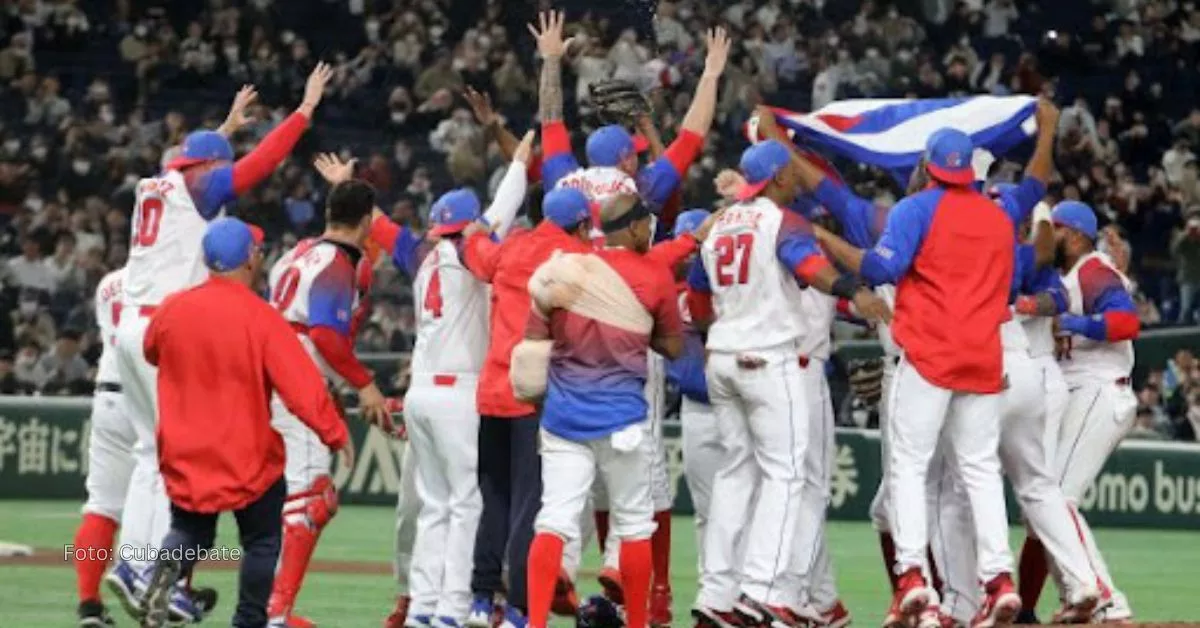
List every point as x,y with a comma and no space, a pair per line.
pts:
111,438
761,399
1101,406
408,508
442,419
165,256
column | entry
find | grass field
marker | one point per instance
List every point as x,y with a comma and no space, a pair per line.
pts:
1159,570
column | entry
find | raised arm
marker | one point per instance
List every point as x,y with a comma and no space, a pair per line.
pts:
551,47
511,193
886,263
237,117
699,116
797,250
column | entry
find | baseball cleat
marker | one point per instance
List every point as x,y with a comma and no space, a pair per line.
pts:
610,579
566,601
711,618
836,617
1113,609
92,614
755,613
933,617
660,606
1079,609
599,612
910,600
157,599
445,622
1000,604
419,621
480,615
296,621
128,586
513,618
399,614
204,599
1027,617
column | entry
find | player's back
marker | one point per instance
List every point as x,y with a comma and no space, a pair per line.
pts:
452,315
108,303
165,255
755,298
314,274
600,183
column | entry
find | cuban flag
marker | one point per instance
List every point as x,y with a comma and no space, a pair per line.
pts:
891,133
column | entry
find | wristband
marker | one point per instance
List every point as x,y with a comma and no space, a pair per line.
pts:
845,286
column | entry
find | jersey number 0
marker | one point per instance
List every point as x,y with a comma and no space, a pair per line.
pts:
733,250
146,221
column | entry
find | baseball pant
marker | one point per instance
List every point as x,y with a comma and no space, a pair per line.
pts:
1097,418
147,511
510,483
307,458
702,454
1056,396
922,414
762,415
408,508
814,499
110,456
880,503
260,526
443,430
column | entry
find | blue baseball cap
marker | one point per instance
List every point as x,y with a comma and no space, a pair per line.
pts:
948,157
1075,215
566,207
610,145
202,146
228,244
454,211
760,163
690,220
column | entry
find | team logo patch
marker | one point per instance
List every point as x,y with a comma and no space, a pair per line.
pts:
343,315
954,160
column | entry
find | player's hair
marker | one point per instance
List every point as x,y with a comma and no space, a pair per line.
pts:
348,203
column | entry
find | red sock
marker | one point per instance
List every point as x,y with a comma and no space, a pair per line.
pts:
660,548
545,560
1031,573
636,570
601,519
933,571
889,558
93,541
299,543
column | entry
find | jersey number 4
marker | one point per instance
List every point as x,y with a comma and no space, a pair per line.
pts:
733,251
146,221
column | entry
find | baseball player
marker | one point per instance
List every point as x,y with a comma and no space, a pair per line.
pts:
442,419
314,287
600,314
1096,356
751,262
169,216
408,508
949,251
110,461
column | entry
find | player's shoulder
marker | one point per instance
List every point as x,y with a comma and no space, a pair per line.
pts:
1097,270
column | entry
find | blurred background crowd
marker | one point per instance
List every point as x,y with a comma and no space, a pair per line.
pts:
94,91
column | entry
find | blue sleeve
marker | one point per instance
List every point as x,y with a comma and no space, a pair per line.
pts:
211,190
556,167
1019,203
406,252
1024,264
331,297
698,277
796,247
907,224
1046,280
860,219
657,182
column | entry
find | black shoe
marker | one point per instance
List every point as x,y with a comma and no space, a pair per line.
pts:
157,598
205,599
92,614
1027,617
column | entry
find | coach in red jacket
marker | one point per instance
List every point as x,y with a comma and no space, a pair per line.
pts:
221,351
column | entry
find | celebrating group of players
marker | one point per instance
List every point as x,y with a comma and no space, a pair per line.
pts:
534,413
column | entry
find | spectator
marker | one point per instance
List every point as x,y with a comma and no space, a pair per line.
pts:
62,367
16,58
998,15
29,269
64,272
1185,251
441,75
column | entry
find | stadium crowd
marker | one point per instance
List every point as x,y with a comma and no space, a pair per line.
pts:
92,92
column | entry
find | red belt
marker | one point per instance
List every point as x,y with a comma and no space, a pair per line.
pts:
1123,381
444,380
803,360
146,311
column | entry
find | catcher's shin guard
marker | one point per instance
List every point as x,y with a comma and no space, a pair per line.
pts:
305,514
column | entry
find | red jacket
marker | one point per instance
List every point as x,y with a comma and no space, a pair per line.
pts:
221,351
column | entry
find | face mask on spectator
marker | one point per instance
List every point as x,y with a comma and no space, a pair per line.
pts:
398,116
12,146
81,166
39,152
28,308
373,29
140,31
436,32
287,38
34,204
106,116
231,52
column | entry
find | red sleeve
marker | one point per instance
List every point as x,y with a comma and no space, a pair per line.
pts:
671,209
384,232
339,354
533,172
667,321
292,374
1122,326
270,152
684,151
673,252
481,255
150,342
556,140
809,268
699,305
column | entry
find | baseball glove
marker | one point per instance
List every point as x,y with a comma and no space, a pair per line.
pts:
618,102
866,379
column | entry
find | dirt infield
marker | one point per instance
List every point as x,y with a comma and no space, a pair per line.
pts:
46,557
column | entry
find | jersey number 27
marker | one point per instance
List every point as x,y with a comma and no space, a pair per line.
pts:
733,251
146,221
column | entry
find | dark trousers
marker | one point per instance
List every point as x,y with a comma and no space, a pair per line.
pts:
260,531
510,482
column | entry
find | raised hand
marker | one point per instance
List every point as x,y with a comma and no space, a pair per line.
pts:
717,43
549,34
481,104
314,89
727,183
525,148
333,168
237,117
1046,116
